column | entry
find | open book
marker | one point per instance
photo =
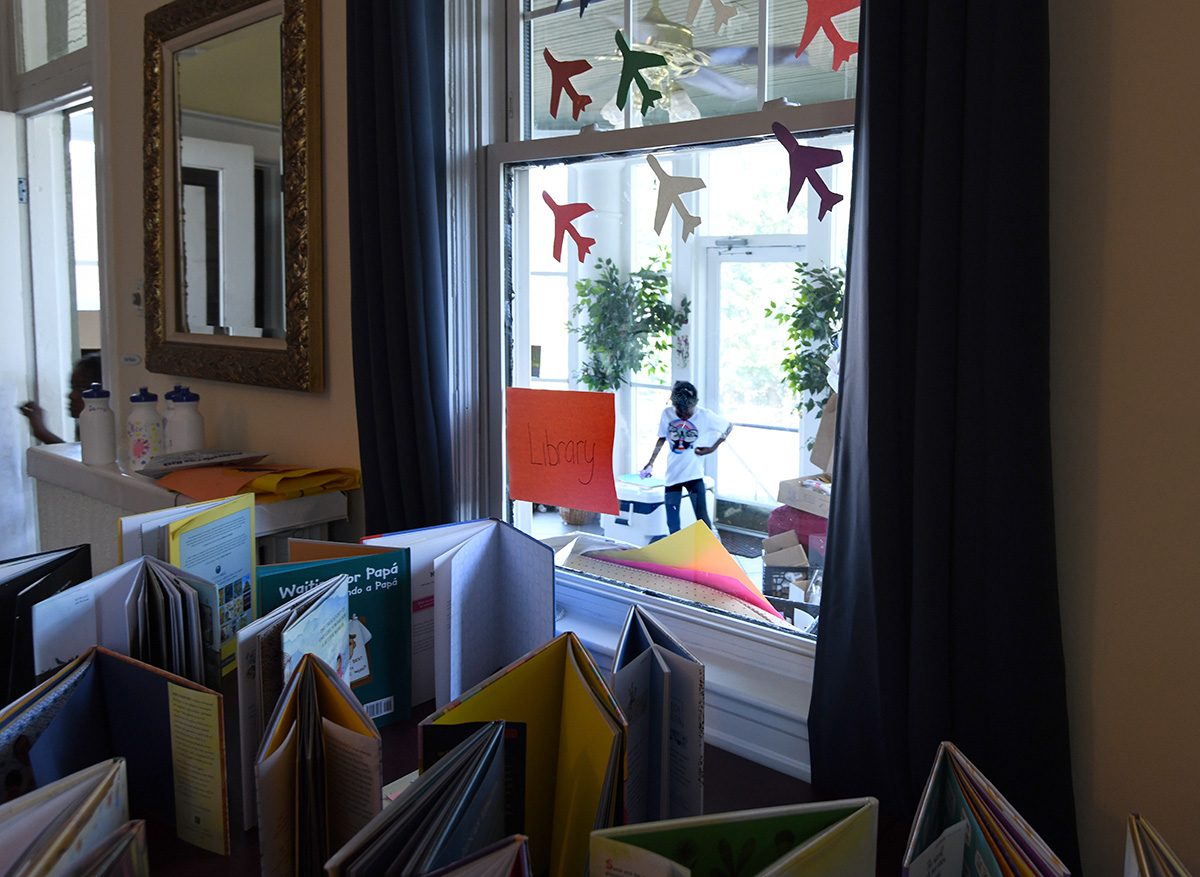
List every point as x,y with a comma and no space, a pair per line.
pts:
25,581
826,839
146,609
319,771
963,818
1147,854
378,661
213,540
483,596
314,621
574,739
659,685
54,827
452,813
169,730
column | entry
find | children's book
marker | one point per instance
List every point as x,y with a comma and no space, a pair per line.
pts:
121,854
146,609
829,839
212,540
1147,854
453,811
963,821
315,621
574,770
483,596
319,771
51,828
103,705
378,660
25,581
659,685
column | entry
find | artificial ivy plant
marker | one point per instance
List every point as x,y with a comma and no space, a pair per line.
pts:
630,322
813,319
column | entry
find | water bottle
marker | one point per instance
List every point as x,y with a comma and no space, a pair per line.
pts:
185,423
97,428
145,428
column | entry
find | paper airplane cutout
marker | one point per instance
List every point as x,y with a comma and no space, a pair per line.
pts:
669,190
631,63
820,17
563,216
694,554
583,4
722,12
804,163
560,81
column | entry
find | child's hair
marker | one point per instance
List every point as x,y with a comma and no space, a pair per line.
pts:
684,395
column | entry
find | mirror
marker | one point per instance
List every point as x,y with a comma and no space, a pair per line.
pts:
233,287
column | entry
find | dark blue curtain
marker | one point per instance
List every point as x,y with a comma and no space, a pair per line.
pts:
940,616
396,143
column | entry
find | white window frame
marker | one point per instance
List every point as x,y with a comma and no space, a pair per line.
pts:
758,680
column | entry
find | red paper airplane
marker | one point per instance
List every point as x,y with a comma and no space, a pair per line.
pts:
563,214
560,80
804,161
820,17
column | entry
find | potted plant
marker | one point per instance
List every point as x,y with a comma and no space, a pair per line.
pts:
813,319
630,322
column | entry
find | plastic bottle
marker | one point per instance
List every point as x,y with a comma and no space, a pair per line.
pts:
185,423
145,428
97,428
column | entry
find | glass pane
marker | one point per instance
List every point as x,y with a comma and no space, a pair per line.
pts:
548,314
826,69
50,29
85,246
589,68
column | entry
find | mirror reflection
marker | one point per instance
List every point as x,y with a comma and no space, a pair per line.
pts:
228,93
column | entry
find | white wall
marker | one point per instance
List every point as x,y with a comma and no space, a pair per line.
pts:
1125,217
316,429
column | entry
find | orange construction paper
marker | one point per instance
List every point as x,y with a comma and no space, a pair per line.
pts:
560,448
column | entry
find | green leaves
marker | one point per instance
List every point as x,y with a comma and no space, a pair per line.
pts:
813,319
630,323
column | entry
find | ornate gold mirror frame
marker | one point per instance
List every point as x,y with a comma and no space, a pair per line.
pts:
295,362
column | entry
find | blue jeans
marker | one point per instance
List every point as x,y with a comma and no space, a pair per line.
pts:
674,496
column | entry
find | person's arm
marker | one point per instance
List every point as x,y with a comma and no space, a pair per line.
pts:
700,452
37,423
657,447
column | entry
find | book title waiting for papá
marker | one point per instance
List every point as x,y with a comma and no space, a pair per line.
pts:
378,654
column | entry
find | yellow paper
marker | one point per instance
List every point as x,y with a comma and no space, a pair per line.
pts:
196,759
693,548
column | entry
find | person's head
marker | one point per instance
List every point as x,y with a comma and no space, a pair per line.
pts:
684,398
85,373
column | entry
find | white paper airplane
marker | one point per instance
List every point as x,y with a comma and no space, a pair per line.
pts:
669,190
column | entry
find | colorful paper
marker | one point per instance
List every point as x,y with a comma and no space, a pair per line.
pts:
696,555
721,13
820,17
563,216
669,190
804,162
560,448
631,64
560,81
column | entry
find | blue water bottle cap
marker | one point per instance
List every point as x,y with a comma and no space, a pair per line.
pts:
143,395
186,395
95,391
171,394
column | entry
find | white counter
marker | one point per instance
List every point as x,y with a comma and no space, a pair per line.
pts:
78,503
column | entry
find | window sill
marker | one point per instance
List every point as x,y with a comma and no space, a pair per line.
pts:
757,681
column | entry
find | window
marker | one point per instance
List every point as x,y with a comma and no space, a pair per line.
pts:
716,124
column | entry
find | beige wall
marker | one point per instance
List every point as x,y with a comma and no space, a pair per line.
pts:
1125,213
315,429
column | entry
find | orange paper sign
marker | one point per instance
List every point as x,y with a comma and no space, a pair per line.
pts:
560,448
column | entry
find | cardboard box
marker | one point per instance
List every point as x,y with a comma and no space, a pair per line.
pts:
793,492
785,565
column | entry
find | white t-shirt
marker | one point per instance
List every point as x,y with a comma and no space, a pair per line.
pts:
701,430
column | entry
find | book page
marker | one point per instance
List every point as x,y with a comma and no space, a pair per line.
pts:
323,630
353,780
198,761
250,719
64,627
686,734
631,685
275,777
943,857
